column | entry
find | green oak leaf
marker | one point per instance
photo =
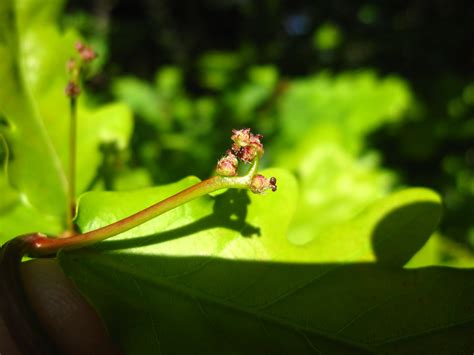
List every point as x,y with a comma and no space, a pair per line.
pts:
18,217
335,185
219,275
249,96
36,169
355,102
34,52
325,120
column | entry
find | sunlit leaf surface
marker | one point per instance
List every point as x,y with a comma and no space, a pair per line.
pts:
219,275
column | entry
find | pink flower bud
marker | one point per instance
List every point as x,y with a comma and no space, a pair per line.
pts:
255,141
72,89
241,137
247,153
227,166
71,64
246,145
260,184
88,54
80,46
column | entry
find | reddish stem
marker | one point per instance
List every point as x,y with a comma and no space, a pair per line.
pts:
40,245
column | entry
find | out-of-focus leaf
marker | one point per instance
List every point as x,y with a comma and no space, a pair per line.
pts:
36,168
18,217
22,218
217,69
324,122
244,101
327,37
356,103
163,106
334,185
32,100
440,251
140,96
169,81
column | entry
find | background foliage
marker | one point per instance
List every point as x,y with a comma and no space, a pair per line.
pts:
356,101
235,63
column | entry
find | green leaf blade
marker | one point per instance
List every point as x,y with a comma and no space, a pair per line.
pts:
34,54
36,169
237,284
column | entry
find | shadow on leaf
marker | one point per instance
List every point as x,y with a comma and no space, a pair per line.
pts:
221,303
229,211
403,231
212,306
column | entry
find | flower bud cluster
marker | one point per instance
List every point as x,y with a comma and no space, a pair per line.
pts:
74,67
72,89
246,147
86,53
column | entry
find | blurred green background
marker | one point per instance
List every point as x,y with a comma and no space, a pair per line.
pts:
357,98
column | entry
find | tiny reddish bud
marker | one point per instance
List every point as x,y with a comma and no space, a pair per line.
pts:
235,148
80,46
260,184
255,141
227,166
241,137
246,145
71,64
72,89
88,54
247,153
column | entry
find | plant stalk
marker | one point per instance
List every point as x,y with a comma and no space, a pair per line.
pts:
71,207
6,158
44,246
